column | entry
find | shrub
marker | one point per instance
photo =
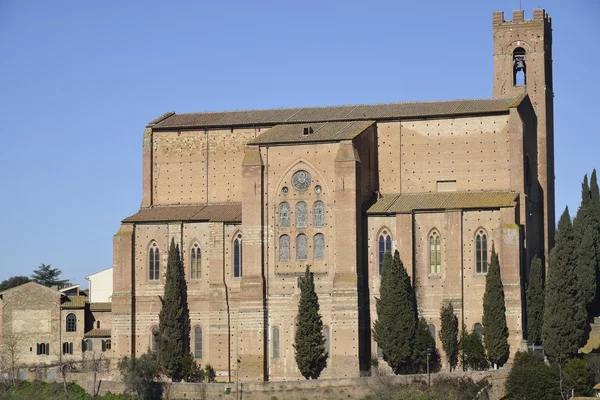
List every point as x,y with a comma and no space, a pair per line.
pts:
140,375
209,373
577,376
531,378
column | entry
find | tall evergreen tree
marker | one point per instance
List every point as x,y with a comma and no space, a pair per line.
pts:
449,334
172,339
394,329
309,342
594,190
495,329
586,267
535,302
48,276
564,318
423,347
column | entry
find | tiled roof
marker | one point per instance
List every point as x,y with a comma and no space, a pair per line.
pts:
405,203
319,132
227,212
97,333
74,302
336,113
100,306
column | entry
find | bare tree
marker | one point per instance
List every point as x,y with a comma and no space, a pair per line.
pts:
9,354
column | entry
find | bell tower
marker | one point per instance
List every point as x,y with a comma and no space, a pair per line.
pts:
523,64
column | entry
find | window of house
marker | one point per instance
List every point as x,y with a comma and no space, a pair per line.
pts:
284,248
318,214
71,323
108,344
195,261
319,242
153,262
43,349
275,342
197,342
481,253
97,324
435,254
237,256
88,345
105,345
67,348
301,247
284,214
385,246
301,215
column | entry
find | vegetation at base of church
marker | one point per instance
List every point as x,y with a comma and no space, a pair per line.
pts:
38,390
495,329
564,316
173,335
449,334
396,322
309,342
535,302
140,375
530,378
471,351
442,388
13,281
404,339
48,276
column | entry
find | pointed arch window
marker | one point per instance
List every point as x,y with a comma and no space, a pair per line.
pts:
153,262
237,256
275,342
153,337
195,261
318,214
519,67
319,249
71,323
301,215
431,328
301,247
385,246
197,342
435,253
284,214
481,253
284,248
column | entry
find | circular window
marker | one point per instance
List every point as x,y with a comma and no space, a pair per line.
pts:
301,180
318,189
284,190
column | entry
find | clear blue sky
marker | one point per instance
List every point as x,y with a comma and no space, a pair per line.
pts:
79,80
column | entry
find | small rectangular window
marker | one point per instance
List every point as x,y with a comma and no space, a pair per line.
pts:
446,186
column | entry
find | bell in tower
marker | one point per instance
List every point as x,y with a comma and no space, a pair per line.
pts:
519,67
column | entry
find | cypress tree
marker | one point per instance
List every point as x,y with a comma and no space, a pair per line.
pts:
172,339
422,344
564,318
449,334
309,343
586,267
535,302
396,322
594,191
495,329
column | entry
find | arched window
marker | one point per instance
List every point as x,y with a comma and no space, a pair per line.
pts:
97,324
43,348
284,248
67,348
153,262
519,67
435,254
195,261
319,243
197,342
153,337
318,214
301,247
106,345
431,330
275,342
481,253
71,323
301,215
477,328
385,246
284,214
88,345
326,337
237,256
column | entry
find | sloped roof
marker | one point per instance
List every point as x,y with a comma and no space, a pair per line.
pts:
226,212
101,306
424,109
94,333
408,202
74,302
319,132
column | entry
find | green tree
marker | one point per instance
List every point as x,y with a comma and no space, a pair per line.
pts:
578,377
309,342
12,282
535,302
48,276
495,329
586,267
172,338
449,334
472,352
531,379
140,375
564,318
396,322
423,344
